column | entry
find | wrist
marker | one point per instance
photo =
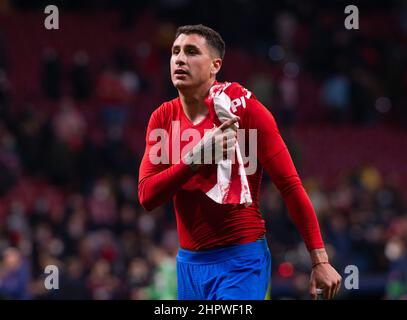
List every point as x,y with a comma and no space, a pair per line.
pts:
319,263
319,256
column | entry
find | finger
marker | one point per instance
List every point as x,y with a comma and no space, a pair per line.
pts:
338,287
228,123
313,290
335,291
326,292
332,289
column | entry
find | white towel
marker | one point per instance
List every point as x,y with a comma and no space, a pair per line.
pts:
232,186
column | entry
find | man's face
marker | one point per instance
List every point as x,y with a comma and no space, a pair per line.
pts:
193,62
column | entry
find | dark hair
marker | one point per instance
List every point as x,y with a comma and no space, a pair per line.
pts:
212,37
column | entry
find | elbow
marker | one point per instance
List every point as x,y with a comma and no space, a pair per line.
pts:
289,185
145,204
145,201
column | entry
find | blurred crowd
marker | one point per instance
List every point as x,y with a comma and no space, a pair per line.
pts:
364,223
70,151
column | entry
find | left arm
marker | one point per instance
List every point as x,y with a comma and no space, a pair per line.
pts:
276,160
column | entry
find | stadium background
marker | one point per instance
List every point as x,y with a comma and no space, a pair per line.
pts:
74,105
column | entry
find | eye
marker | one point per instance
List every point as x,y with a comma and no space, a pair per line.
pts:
192,51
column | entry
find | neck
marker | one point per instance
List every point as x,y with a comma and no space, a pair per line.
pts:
193,101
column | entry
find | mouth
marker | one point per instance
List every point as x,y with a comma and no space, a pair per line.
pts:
180,72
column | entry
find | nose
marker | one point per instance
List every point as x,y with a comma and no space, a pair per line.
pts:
180,59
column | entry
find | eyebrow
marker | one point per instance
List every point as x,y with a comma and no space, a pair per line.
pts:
187,46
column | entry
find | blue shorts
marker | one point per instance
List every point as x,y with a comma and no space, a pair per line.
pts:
238,272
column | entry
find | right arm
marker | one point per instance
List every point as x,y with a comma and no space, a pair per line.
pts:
158,182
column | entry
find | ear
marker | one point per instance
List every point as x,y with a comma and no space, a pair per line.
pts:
216,65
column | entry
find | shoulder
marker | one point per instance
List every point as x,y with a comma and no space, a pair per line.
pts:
165,112
236,90
244,104
242,100
233,89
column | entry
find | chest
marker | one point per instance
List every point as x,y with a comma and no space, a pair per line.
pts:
183,135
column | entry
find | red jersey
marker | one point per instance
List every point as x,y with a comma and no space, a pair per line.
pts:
201,222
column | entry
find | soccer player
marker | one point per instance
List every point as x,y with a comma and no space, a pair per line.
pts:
223,253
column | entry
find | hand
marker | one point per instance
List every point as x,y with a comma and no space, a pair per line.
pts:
218,138
325,277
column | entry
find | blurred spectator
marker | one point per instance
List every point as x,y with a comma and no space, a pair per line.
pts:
51,74
102,283
33,138
4,96
9,159
81,76
14,276
102,204
69,125
262,86
396,252
363,86
66,148
164,284
336,96
286,26
289,93
138,274
73,284
3,59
